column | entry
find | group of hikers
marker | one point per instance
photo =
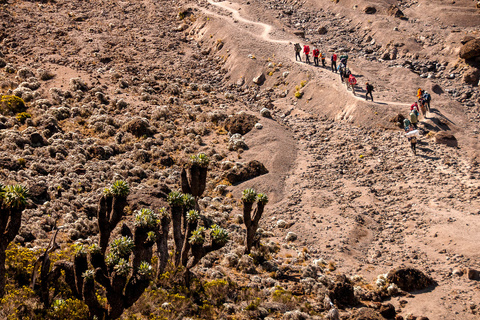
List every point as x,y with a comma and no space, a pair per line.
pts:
422,105
345,74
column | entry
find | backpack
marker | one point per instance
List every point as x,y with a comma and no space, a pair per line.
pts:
298,48
413,117
369,87
427,96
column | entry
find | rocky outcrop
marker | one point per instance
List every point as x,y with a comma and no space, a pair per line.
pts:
241,173
470,50
444,137
240,123
409,279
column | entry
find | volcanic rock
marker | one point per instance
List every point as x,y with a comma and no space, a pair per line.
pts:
409,279
470,50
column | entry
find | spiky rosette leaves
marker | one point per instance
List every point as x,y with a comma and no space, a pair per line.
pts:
218,234
201,160
175,198
111,259
193,216
188,201
198,236
146,218
249,195
120,188
80,251
151,237
145,269
262,198
122,267
89,274
94,249
14,196
122,247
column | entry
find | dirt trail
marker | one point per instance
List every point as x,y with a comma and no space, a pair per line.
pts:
265,36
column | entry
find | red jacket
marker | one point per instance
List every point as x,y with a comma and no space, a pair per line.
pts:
414,106
352,79
334,57
316,52
306,49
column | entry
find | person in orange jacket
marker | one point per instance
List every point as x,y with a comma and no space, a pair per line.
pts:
306,50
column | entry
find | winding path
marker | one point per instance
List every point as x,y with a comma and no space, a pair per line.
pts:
265,36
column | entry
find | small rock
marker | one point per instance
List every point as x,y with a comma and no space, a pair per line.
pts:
291,236
265,113
473,274
281,223
258,126
260,79
457,272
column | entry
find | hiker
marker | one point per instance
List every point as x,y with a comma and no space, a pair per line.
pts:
369,89
346,75
298,49
352,81
414,118
414,106
413,144
406,124
426,98
322,56
316,52
306,50
334,62
419,93
341,70
422,104
344,59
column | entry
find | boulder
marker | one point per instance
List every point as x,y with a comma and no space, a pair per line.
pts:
470,50
38,193
444,137
152,197
37,140
265,113
467,38
260,79
387,311
251,170
395,12
473,274
342,292
240,123
409,279
291,236
322,30
370,10
471,76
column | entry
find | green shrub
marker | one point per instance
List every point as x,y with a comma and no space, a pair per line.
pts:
22,116
71,309
10,105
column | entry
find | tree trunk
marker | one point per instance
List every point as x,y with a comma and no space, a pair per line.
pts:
177,232
3,247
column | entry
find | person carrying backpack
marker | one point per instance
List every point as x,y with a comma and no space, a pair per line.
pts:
322,56
344,58
341,70
369,89
352,81
419,93
306,50
427,97
413,144
298,50
406,124
334,62
316,53
414,118
414,106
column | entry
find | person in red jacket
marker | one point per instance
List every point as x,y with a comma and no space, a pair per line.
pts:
352,81
316,53
334,62
306,50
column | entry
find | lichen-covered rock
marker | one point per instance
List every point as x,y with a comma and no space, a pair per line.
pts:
409,279
366,314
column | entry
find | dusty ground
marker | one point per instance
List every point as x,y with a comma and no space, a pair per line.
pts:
340,174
